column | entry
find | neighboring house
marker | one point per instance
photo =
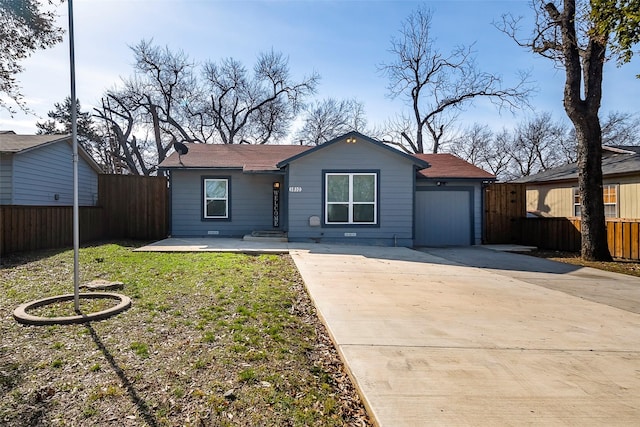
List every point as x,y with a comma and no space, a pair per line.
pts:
352,189
554,192
38,170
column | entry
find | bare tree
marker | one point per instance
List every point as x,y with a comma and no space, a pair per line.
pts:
25,26
253,108
329,118
440,86
90,135
620,128
576,36
534,146
473,144
128,154
168,99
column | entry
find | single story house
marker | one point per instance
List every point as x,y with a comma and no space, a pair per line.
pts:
554,193
350,189
37,170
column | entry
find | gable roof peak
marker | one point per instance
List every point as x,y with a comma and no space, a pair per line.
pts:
353,137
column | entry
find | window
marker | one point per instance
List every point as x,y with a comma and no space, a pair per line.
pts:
610,197
216,198
351,198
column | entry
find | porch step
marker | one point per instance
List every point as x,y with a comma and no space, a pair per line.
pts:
266,236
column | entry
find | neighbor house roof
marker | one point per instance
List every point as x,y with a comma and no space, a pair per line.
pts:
12,143
448,166
619,161
17,144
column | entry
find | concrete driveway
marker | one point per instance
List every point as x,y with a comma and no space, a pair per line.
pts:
469,336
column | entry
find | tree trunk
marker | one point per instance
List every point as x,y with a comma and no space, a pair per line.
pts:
593,225
584,69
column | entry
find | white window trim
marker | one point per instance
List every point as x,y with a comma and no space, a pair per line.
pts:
351,203
205,199
617,192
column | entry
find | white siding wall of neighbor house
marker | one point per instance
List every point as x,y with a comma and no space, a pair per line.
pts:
551,201
463,225
557,200
40,174
395,203
6,169
250,199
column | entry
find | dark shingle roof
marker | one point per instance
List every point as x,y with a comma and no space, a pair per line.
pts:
255,158
446,165
233,156
623,163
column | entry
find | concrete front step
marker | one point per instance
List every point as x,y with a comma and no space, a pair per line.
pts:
266,236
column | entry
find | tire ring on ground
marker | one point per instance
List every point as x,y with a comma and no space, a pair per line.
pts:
21,315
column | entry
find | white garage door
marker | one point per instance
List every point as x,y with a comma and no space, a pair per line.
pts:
443,218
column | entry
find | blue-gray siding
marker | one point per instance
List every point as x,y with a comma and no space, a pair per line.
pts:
6,168
396,193
250,202
40,174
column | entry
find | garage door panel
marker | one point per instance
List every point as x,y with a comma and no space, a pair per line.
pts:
443,218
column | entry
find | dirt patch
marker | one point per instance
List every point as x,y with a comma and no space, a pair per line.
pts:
631,268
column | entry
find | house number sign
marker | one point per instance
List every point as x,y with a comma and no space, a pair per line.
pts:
295,189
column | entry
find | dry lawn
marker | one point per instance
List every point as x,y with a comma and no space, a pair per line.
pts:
210,340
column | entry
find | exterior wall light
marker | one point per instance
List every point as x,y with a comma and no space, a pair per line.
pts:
351,140
276,185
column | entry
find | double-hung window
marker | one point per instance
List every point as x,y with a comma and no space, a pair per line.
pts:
610,198
216,198
351,198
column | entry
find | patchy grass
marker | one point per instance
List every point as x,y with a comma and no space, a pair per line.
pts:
211,339
631,268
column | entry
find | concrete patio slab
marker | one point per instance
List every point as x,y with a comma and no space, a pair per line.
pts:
214,244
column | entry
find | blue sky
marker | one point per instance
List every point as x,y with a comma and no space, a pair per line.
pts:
344,41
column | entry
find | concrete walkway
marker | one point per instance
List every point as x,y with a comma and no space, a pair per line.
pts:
470,336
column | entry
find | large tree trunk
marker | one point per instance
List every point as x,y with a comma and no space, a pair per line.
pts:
583,69
593,225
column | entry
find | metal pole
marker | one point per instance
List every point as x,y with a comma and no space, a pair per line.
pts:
74,136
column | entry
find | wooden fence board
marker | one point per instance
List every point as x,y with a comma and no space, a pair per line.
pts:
504,206
623,235
130,207
135,206
635,241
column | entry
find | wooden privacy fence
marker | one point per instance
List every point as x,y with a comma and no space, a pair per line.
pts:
129,207
504,206
563,234
29,228
135,207
505,222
